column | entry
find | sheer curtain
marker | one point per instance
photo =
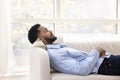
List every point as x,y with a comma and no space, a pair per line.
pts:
5,47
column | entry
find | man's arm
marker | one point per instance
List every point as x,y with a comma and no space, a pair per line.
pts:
70,65
101,51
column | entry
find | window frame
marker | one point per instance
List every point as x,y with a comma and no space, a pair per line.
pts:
57,20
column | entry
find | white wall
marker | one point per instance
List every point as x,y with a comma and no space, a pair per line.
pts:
4,36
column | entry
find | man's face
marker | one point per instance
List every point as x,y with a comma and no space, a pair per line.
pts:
46,35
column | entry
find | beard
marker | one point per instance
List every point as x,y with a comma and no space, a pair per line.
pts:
50,40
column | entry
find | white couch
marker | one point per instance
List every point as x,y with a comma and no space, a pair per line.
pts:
39,59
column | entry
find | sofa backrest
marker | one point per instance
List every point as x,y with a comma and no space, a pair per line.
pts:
86,42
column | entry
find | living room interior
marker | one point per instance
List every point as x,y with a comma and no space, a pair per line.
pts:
91,20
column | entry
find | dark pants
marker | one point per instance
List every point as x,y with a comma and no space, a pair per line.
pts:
110,66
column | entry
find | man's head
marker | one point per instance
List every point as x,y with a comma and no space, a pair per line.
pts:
38,31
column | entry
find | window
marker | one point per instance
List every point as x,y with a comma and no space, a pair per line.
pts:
92,28
61,16
88,9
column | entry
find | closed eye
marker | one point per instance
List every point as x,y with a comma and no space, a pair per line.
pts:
46,29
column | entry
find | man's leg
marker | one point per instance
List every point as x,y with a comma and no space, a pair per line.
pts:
110,66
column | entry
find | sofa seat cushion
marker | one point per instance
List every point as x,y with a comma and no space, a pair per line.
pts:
62,76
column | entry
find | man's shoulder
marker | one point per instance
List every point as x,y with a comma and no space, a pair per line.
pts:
61,44
56,45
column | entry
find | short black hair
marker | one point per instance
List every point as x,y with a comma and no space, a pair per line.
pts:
33,33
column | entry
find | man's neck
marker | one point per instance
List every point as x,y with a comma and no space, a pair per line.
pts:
48,43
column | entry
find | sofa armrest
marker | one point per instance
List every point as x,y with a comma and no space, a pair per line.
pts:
39,64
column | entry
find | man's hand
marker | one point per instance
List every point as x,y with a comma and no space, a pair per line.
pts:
101,51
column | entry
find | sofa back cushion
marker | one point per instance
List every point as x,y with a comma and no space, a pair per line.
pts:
86,42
